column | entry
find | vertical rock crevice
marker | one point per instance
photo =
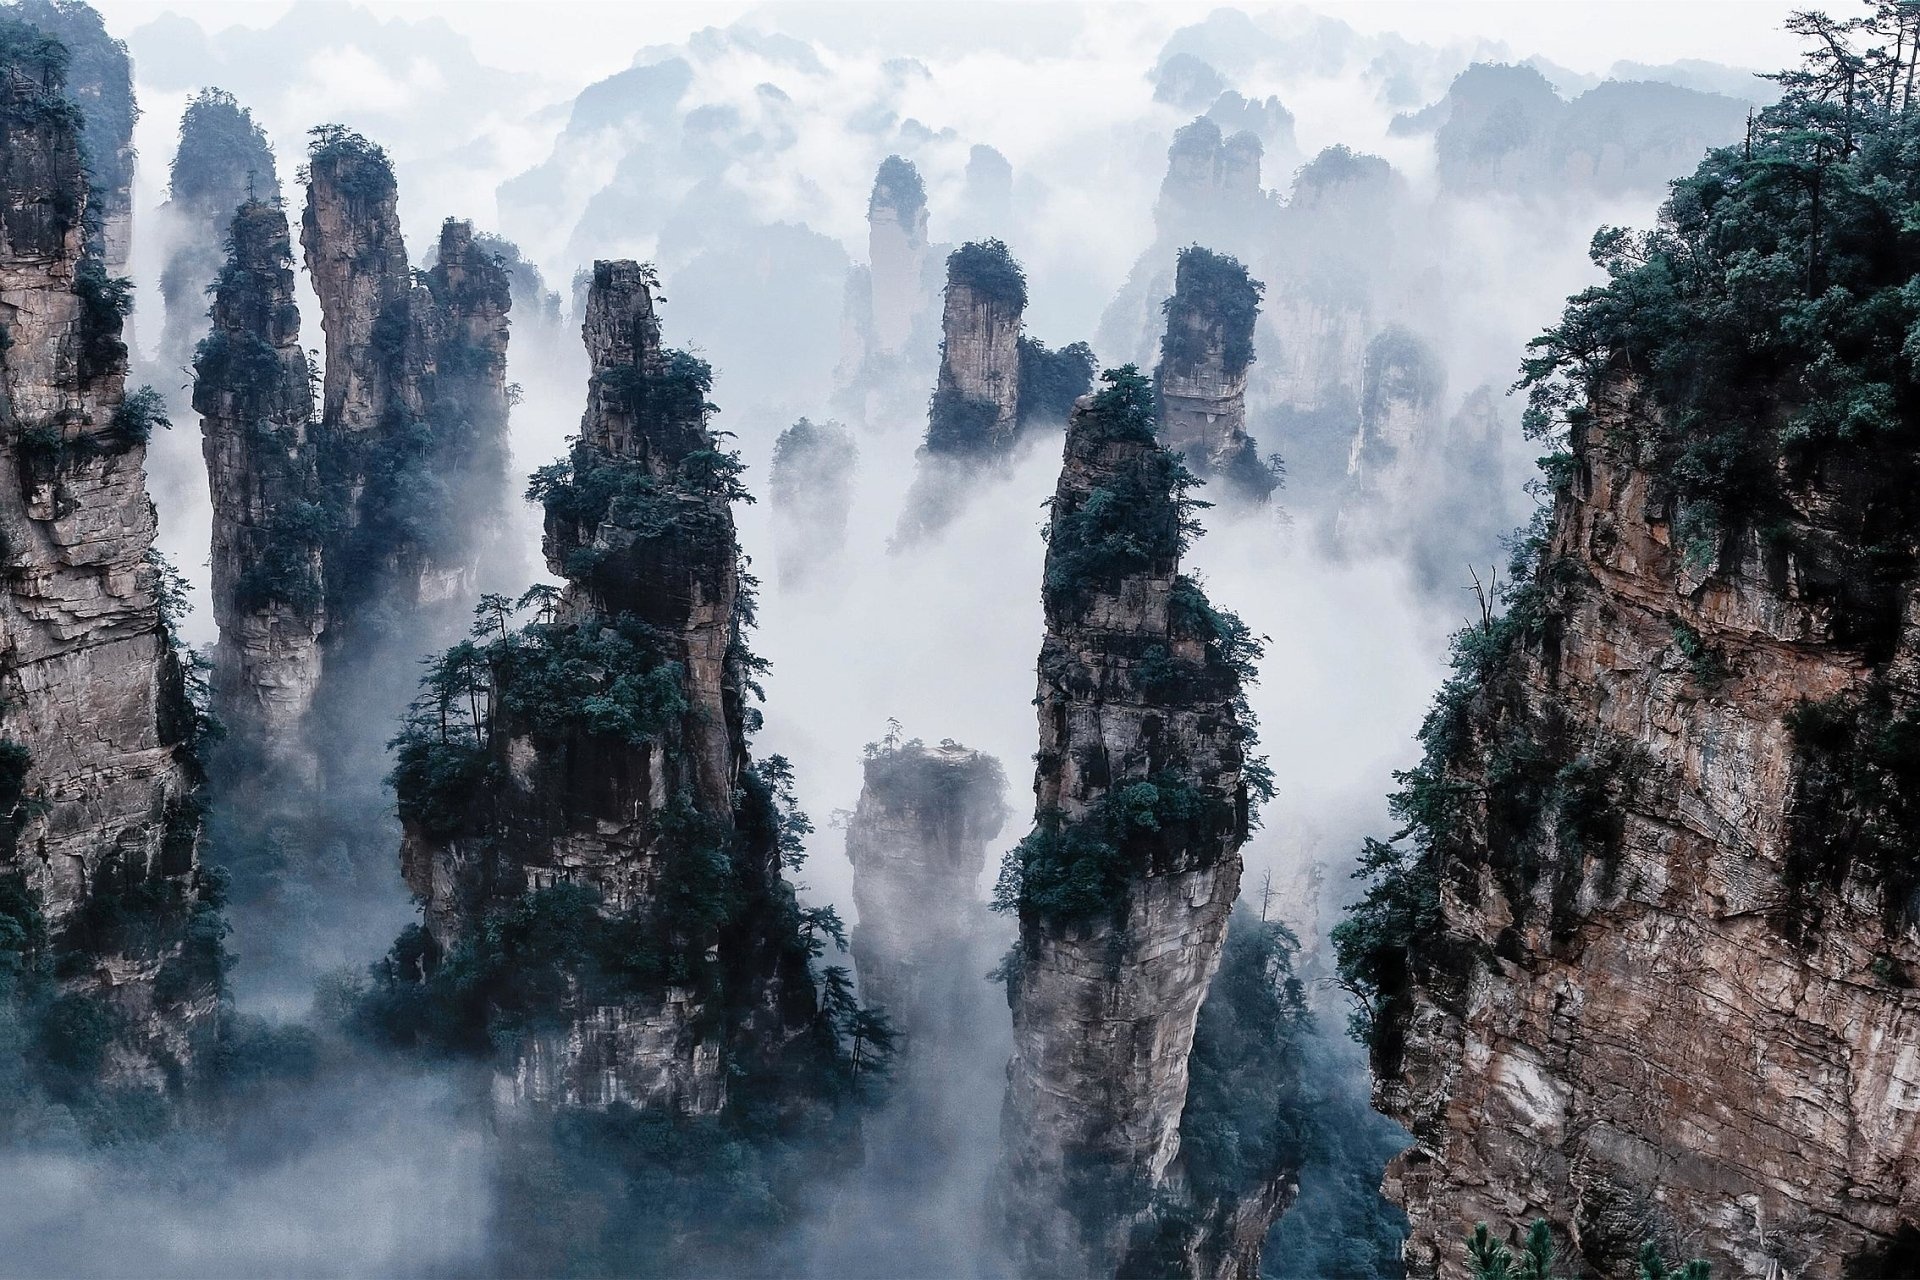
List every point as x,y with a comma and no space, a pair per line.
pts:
1143,797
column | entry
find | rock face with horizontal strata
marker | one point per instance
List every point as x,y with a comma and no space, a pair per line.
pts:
107,808
1639,1034
1202,376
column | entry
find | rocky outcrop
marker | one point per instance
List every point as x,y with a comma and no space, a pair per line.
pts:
98,777
99,78
1202,377
811,492
252,391
1124,888
896,253
601,751
1648,999
982,400
414,405
918,844
976,402
223,162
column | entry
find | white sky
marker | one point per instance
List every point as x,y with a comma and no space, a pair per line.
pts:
579,41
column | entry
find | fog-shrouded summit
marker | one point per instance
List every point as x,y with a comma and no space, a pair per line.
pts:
222,162
918,845
1144,793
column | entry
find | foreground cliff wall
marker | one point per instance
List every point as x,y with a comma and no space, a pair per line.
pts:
101,829
1643,961
1123,890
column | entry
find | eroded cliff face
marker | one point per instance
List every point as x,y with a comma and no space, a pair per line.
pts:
223,162
1662,996
630,782
102,813
918,844
1140,791
252,391
1202,377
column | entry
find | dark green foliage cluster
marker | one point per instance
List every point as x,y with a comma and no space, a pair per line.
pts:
105,303
1340,1225
813,466
359,168
1084,870
55,1039
1245,1121
1214,306
1759,339
223,155
897,186
530,959
600,684
972,786
1705,663
987,267
99,77
137,416
1140,519
1489,1258
1538,1258
1050,381
1856,806
959,425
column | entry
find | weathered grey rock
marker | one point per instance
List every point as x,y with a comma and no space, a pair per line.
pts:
918,844
255,401
1646,1039
1105,998
93,691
